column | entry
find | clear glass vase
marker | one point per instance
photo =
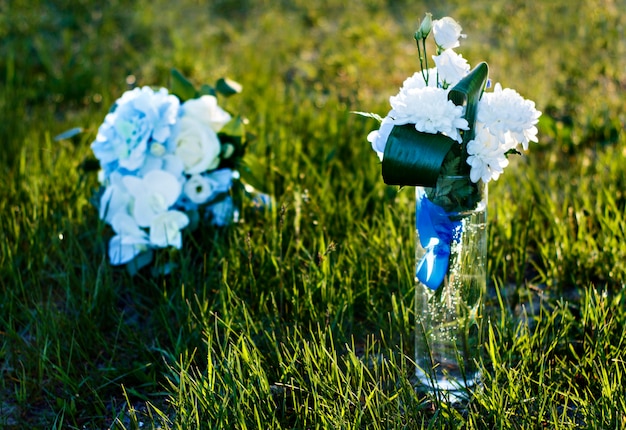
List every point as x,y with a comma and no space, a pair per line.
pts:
450,284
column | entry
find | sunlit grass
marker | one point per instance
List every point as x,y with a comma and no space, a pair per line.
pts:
302,316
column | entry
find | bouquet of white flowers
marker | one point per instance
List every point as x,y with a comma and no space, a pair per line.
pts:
443,123
168,160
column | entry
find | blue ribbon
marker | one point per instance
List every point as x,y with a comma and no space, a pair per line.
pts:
436,233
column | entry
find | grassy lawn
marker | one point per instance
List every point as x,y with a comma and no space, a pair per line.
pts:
302,316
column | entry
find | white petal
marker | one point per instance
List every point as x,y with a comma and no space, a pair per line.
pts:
122,253
134,185
114,200
125,225
173,165
164,184
165,229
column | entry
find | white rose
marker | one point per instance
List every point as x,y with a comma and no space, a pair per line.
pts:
447,32
452,67
197,146
206,110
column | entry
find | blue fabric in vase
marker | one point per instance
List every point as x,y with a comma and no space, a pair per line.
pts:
436,233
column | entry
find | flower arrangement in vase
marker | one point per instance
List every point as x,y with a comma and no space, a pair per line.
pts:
449,132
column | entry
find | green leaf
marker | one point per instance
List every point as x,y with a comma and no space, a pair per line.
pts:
452,165
413,157
228,87
455,194
207,90
253,172
369,115
235,127
234,133
182,87
467,92
90,165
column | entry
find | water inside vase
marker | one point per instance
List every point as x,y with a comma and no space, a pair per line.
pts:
448,333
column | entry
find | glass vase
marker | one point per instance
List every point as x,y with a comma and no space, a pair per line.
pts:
450,285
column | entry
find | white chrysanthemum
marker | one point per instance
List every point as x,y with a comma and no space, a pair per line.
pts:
430,110
418,81
506,111
451,67
487,156
378,138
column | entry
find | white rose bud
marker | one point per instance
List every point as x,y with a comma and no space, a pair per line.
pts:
424,29
198,189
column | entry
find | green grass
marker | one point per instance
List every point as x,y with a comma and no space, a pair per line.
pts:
302,317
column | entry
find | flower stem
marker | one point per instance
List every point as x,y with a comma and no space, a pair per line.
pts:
421,51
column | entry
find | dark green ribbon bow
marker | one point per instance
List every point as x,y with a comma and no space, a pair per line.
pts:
415,158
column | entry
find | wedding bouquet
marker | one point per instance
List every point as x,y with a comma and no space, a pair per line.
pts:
444,124
168,159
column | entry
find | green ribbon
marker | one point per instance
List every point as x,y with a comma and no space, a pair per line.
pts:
415,158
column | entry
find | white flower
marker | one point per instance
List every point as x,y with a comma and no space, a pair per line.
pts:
451,67
198,189
487,156
115,199
418,81
206,110
447,32
378,138
165,229
430,110
129,241
173,165
153,194
197,145
506,111
150,163
140,119
203,188
168,163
